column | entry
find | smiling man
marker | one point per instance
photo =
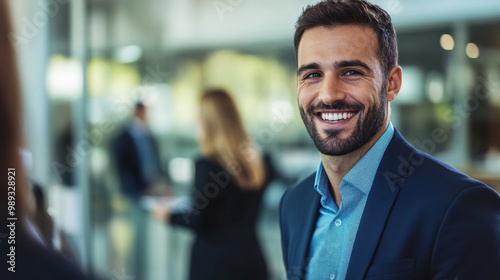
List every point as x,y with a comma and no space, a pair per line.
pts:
376,208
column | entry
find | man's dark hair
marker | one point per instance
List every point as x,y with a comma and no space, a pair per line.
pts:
331,13
139,105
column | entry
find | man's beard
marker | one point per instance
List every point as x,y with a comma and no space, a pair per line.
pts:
370,121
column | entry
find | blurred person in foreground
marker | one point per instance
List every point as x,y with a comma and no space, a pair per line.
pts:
22,256
229,182
376,208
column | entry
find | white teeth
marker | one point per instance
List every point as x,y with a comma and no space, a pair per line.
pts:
333,117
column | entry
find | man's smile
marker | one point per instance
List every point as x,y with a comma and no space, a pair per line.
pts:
335,116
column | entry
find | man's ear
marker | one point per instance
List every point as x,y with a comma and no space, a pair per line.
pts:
394,80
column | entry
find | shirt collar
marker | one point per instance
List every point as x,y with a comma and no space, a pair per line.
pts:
137,127
362,174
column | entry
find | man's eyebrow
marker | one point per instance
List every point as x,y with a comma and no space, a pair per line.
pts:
337,65
352,63
305,67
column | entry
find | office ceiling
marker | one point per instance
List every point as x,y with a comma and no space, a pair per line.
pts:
176,25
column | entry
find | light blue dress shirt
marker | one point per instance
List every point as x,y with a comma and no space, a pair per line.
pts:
145,149
336,228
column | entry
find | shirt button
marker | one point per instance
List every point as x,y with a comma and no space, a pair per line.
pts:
338,222
332,277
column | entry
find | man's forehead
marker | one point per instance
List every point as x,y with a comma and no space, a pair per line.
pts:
349,39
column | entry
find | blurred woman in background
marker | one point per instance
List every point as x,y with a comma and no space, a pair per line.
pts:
229,182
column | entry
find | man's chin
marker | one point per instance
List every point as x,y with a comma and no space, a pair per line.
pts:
335,142
334,134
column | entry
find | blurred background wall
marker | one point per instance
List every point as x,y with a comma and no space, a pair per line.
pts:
85,63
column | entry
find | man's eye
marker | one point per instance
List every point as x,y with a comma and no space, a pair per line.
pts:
312,75
352,73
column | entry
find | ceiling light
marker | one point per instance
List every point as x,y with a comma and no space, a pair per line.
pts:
472,50
447,42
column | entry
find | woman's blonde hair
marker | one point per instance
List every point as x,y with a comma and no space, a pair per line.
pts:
225,140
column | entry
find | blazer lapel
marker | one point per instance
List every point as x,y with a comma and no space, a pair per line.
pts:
384,191
307,215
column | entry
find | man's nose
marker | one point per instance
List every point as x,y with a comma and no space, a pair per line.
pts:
331,90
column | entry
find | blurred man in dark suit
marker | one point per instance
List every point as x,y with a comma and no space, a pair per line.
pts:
137,156
139,171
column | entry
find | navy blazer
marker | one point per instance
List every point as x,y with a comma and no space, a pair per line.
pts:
128,163
423,220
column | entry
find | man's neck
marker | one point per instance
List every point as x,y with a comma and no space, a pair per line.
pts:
336,167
